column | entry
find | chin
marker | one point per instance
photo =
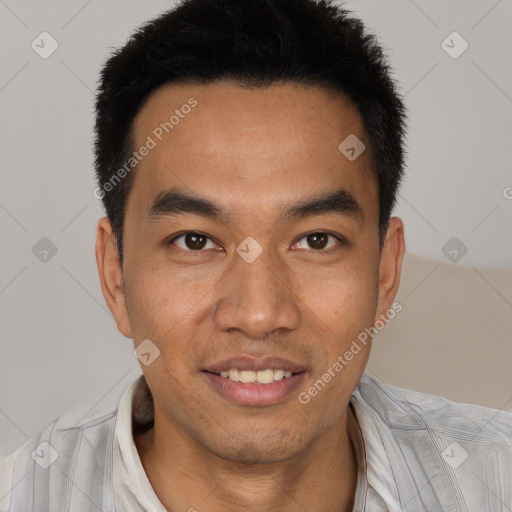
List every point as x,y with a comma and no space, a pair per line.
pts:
259,449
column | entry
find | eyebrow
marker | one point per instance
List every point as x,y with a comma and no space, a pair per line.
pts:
176,201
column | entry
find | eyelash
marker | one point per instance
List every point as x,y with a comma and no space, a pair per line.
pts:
339,238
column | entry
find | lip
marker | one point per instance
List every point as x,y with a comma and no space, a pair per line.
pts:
255,364
254,394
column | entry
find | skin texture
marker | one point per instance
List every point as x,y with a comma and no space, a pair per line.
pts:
252,152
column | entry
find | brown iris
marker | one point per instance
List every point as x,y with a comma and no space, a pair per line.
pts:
195,241
317,240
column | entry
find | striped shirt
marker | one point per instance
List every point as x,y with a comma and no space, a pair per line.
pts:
410,451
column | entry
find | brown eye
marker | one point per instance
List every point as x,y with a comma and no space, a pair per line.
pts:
317,241
191,241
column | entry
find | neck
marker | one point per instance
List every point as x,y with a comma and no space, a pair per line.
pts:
186,476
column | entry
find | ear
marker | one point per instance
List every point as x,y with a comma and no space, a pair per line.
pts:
111,275
390,266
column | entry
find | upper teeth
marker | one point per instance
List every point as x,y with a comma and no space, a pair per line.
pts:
262,376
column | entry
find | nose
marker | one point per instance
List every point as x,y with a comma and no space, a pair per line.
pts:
258,298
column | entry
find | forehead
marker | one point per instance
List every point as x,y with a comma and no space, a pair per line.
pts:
266,144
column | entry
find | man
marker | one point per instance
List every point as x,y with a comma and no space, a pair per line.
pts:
248,155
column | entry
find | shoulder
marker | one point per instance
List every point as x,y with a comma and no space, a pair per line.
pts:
79,447
61,435
465,448
75,445
400,407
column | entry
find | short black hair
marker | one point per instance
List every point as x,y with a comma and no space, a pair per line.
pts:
255,43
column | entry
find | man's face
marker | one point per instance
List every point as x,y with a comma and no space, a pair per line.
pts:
299,304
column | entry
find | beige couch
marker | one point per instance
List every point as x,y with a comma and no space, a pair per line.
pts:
454,335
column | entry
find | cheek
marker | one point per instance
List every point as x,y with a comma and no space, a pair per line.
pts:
341,306
167,307
343,299
155,302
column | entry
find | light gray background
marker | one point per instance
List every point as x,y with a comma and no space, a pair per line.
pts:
59,344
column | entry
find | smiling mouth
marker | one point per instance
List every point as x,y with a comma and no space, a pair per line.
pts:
267,376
